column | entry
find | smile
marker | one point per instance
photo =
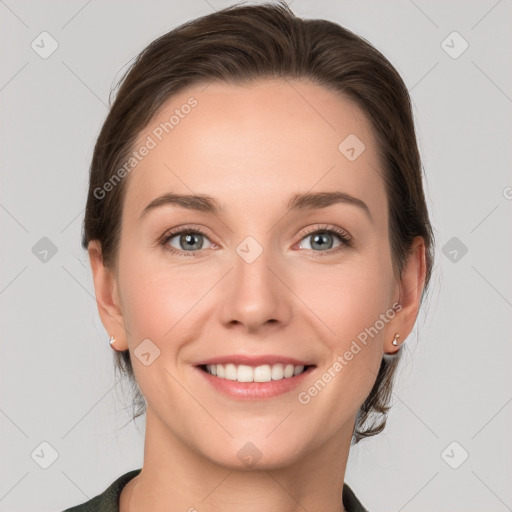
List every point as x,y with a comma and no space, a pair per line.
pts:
262,373
244,382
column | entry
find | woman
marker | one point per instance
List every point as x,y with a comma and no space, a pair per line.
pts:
260,247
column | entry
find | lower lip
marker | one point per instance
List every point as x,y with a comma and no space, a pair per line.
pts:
255,390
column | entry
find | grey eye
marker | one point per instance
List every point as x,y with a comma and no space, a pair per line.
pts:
321,240
188,241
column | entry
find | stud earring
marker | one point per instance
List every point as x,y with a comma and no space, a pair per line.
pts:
395,341
112,340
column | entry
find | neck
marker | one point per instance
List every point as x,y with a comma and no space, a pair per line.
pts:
175,477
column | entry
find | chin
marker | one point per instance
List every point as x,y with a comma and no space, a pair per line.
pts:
255,453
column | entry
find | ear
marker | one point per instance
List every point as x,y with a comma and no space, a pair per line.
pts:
107,296
412,282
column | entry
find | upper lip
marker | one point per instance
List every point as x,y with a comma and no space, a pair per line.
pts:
254,360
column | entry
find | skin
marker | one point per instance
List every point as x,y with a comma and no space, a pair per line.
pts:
252,147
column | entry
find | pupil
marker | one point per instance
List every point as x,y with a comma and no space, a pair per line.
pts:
189,240
320,237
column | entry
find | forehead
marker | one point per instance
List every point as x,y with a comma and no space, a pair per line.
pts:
256,144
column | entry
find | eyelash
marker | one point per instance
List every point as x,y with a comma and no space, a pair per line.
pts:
340,233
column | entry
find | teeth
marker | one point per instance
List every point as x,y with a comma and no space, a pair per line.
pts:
277,372
297,370
230,371
263,373
245,374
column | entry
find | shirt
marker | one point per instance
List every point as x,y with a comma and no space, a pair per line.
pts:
108,500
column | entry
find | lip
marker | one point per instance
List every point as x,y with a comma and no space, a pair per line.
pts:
254,390
254,360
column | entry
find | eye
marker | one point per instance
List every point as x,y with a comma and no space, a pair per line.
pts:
188,241
322,238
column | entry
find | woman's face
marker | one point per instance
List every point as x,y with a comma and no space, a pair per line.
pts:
260,279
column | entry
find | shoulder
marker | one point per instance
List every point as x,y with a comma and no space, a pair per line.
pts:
108,500
350,500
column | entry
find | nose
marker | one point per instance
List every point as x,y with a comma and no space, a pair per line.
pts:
256,296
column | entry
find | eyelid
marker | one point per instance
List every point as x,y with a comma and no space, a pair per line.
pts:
327,227
184,228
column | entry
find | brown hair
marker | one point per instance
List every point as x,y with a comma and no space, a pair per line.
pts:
246,42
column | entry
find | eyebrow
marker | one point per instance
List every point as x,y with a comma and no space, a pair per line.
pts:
298,202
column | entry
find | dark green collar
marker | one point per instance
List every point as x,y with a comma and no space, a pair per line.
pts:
108,500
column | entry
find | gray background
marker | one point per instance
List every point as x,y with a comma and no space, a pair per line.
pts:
57,381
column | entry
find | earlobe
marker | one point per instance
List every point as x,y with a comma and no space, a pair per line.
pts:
412,282
395,342
107,296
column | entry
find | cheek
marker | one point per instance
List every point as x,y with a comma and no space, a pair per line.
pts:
359,297
157,311
146,305
347,298
155,295
156,300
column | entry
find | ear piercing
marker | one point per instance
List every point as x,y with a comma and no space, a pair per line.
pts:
112,340
395,341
